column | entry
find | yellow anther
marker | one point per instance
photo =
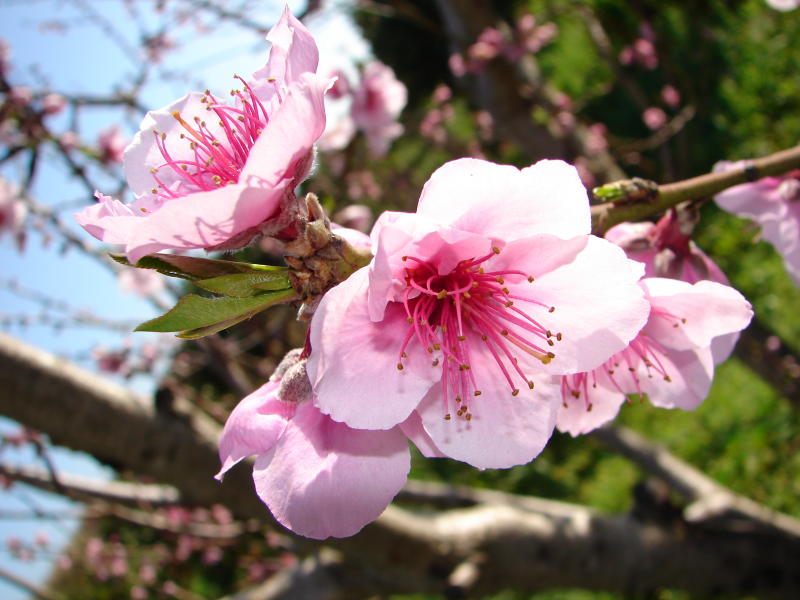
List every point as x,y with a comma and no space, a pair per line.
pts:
495,249
552,309
515,392
447,417
530,385
477,393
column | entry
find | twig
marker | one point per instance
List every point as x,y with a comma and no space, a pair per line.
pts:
90,489
605,216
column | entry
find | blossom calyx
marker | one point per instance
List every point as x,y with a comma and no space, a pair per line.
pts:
318,258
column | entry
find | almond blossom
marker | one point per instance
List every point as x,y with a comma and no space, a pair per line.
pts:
318,477
469,306
774,203
208,174
666,249
670,362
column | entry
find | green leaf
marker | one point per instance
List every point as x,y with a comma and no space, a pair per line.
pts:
193,268
196,316
244,285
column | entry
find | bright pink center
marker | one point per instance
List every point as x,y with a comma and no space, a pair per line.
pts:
469,305
219,156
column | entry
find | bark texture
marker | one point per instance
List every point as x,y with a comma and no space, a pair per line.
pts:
497,541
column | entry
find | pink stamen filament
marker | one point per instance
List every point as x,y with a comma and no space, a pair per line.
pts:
443,310
218,157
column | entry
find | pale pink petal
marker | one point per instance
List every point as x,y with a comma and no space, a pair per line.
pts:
547,197
293,51
254,426
599,308
538,254
399,235
109,220
503,431
412,428
325,479
143,154
353,365
283,150
627,234
577,416
690,316
690,375
200,220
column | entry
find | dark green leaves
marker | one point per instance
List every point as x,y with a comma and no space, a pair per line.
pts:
245,289
195,316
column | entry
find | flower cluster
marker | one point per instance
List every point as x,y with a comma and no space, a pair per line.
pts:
484,320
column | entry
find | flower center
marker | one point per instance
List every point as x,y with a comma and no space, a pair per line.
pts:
217,156
447,313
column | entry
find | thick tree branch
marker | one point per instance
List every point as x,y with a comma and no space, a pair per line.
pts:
87,489
86,412
708,499
480,550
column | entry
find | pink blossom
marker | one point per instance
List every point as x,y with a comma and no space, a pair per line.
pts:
654,118
13,212
318,477
210,175
784,5
670,362
466,302
53,103
667,250
111,145
773,203
670,96
377,103
355,216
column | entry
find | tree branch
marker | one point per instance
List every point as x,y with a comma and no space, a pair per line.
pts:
623,207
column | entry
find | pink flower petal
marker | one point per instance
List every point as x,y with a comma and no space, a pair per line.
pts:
293,51
353,364
254,426
575,415
503,431
599,308
412,428
693,315
283,150
547,197
325,479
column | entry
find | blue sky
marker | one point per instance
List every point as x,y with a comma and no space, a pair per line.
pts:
87,58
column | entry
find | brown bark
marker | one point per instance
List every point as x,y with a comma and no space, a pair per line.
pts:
501,542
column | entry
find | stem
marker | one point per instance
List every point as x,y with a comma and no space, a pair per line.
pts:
624,208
